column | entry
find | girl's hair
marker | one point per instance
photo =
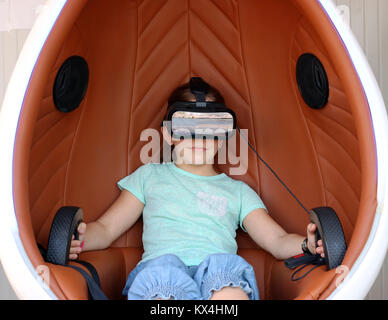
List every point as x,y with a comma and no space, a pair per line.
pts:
183,93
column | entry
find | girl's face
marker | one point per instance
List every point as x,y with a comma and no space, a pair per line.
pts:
195,151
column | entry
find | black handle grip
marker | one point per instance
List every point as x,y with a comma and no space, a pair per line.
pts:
329,230
64,225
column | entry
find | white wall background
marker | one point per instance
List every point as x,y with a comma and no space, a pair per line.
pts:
365,17
368,21
16,20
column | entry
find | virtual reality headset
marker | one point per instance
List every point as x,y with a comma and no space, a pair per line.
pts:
200,119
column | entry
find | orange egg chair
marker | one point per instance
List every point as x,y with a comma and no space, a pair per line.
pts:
137,52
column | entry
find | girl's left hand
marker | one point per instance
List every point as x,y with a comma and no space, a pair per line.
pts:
311,227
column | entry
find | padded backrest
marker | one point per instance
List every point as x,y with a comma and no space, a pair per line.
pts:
139,51
333,135
166,43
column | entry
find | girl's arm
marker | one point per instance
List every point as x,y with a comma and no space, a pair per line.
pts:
271,236
100,234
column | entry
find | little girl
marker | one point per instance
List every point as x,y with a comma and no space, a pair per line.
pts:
190,217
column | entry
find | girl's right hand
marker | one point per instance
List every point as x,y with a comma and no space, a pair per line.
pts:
76,245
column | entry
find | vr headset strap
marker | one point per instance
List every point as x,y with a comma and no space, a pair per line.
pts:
199,88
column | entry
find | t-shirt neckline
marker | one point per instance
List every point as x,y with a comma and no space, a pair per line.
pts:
196,176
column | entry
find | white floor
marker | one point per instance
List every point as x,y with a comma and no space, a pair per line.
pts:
6,291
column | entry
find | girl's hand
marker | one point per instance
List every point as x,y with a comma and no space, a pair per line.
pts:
76,245
311,227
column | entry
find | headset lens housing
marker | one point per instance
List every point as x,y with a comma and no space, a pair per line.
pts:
213,122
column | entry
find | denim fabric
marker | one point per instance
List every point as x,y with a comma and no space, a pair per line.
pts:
167,277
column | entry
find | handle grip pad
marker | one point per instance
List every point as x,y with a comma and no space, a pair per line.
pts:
64,226
329,230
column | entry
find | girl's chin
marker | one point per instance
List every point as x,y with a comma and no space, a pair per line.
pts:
195,161
196,158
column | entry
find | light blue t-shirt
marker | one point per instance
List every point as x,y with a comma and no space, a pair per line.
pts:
189,215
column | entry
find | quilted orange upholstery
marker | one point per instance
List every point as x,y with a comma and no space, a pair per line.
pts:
138,52
333,136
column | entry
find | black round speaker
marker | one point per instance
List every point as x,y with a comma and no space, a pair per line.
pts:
71,83
312,81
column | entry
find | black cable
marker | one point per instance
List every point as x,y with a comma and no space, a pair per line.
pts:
318,262
274,173
305,274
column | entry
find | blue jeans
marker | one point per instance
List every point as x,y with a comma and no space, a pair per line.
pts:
167,277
